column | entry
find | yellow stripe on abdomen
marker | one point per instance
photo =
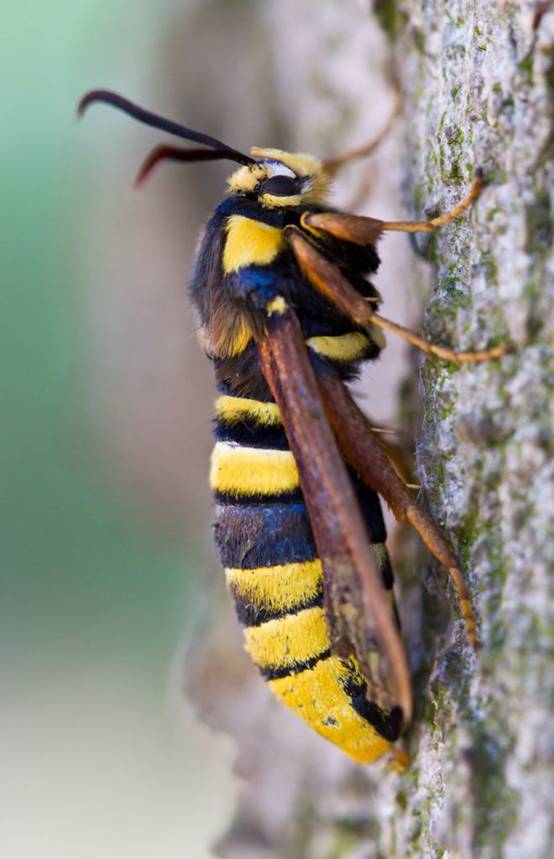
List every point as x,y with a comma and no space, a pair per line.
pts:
318,697
279,588
240,471
231,410
286,642
276,579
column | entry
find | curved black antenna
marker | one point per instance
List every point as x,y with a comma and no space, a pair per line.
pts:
165,152
152,119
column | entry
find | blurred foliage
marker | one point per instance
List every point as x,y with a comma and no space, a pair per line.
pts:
73,556
93,599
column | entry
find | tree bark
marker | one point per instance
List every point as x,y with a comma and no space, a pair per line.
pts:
477,82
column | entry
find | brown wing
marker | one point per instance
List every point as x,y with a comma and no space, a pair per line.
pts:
355,437
358,610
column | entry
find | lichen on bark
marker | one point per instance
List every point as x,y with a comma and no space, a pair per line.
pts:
479,93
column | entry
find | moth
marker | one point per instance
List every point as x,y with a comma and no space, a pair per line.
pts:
288,314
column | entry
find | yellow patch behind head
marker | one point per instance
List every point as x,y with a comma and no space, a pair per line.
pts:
250,242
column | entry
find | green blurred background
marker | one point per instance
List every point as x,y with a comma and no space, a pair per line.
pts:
100,587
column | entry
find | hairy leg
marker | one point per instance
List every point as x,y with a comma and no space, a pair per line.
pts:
362,230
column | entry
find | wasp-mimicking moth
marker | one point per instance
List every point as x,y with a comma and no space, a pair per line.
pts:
288,314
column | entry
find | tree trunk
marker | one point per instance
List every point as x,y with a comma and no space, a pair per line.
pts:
478,79
477,82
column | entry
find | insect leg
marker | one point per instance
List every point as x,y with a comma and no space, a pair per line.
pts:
363,452
428,226
362,230
439,351
328,280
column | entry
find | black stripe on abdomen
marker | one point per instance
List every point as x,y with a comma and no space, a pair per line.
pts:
387,723
278,672
257,535
252,613
250,435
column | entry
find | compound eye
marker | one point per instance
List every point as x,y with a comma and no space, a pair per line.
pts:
280,186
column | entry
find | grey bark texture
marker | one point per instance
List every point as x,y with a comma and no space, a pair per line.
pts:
477,80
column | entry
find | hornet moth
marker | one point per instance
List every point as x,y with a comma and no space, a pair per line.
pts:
287,313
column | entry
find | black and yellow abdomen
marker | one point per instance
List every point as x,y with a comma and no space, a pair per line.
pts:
266,545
